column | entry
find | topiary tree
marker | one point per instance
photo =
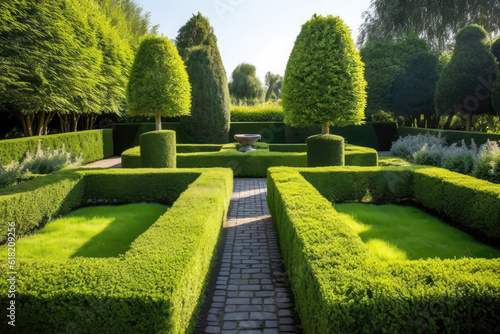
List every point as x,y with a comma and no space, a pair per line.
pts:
324,83
158,83
210,114
245,84
413,93
462,86
196,32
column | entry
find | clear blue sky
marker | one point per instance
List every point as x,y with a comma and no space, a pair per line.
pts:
259,32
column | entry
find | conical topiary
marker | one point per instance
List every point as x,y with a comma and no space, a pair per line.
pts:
324,82
463,85
158,83
210,114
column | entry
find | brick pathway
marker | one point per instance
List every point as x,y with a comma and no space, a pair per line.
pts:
113,162
252,293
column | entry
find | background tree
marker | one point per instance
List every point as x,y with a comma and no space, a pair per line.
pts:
413,93
435,21
210,114
495,48
385,61
65,57
274,83
158,83
245,84
465,84
324,81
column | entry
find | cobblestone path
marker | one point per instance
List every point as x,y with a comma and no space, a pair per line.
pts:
252,293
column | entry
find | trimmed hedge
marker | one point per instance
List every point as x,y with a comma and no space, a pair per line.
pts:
473,204
157,286
253,163
340,286
158,149
93,145
325,150
269,112
194,148
288,147
348,184
451,136
33,203
378,136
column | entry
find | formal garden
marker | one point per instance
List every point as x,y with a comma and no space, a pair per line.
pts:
382,166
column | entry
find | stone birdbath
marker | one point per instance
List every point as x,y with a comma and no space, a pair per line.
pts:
246,141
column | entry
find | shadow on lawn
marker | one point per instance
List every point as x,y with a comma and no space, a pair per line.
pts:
116,238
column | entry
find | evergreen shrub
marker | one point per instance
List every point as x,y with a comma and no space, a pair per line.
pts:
210,115
92,145
158,149
325,150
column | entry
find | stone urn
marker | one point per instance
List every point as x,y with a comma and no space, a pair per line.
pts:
246,141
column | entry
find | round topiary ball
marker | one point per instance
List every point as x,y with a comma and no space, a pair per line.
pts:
325,150
158,149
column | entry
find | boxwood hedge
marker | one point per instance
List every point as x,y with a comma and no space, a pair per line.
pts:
341,287
155,287
253,163
93,145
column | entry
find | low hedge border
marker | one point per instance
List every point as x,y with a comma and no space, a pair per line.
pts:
93,145
378,136
253,163
451,136
341,287
155,287
472,203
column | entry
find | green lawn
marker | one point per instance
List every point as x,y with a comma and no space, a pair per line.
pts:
395,232
101,231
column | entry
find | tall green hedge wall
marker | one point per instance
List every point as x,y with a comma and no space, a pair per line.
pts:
93,145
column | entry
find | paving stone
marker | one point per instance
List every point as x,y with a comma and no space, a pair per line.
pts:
230,325
263,315
250,324
236,316
212,329
238,301
271,331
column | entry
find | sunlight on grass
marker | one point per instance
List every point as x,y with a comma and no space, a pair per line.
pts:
104,231
394,232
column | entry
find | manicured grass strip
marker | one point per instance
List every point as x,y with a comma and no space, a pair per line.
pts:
394,232
104,231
